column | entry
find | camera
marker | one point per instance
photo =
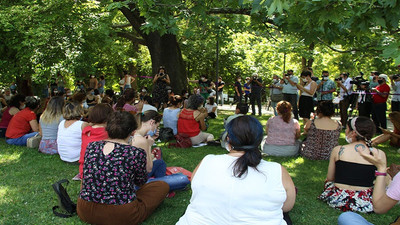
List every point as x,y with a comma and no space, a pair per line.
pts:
357,80
338,79
315,79
161,74
396,76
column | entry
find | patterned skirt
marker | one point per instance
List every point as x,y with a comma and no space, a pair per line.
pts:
48,146
347,200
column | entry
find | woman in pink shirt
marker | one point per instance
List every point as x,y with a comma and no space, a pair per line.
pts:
283,132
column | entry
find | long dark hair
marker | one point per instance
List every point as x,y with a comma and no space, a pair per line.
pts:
245,133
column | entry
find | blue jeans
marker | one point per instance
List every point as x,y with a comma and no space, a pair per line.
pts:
21,140
351,218
159,168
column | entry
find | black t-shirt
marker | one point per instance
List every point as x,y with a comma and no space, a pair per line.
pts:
255,87
239,87
219,84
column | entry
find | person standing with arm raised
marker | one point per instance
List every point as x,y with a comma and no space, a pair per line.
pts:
160,93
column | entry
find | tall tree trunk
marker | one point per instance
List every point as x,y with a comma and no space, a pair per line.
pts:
165,51
24,85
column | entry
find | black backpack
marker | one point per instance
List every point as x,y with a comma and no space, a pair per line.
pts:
65,202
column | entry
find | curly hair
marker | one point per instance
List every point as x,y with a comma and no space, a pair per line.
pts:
284,108
195,101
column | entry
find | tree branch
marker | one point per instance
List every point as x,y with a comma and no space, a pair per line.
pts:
131,37
242,11
229,11
121,25
341,51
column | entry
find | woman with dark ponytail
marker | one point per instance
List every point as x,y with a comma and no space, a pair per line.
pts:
240,187
350,177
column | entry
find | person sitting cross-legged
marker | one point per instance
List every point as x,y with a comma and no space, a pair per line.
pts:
112,168
350,176
383,199
240,187
283,132
23,125
191,121
322,133
48,126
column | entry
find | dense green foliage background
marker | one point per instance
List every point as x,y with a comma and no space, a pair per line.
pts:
83,37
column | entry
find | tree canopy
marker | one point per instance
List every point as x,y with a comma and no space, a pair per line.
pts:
82,37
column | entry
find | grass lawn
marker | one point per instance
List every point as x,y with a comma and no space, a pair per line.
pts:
26,195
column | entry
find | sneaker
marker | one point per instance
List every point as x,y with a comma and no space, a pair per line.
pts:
77,177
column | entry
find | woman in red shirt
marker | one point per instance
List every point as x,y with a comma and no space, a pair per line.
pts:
191,121
24,124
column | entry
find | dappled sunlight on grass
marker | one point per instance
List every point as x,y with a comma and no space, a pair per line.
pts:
12,157
293,163
4,191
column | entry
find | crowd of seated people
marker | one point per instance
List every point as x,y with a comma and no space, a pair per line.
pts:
118,134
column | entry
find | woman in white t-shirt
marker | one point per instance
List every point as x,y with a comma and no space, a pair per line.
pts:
69,136
240,187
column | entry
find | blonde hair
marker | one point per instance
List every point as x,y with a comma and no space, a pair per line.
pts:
73,111
53,111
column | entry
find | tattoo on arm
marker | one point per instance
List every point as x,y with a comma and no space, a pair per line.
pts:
341,150
359,147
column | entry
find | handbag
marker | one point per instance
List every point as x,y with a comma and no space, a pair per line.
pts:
182,141
33,142
64,201
277,97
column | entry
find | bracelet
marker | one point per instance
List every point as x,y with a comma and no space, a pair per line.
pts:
377,173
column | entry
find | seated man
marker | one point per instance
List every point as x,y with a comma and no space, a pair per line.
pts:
241,110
